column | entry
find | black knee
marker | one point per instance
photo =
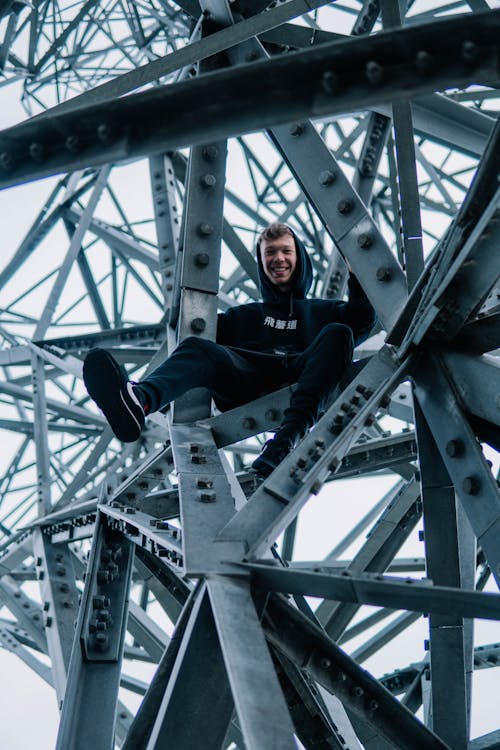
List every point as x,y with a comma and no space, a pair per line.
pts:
209,354
337,336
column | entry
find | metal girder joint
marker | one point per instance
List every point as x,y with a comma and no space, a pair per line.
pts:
304,470
104,602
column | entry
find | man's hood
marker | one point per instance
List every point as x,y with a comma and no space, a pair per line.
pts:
301,279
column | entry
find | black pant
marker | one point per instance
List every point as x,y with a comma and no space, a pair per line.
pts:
237,376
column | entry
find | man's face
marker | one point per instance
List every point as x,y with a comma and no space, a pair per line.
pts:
279,259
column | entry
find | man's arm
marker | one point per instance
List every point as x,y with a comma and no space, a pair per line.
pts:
358,312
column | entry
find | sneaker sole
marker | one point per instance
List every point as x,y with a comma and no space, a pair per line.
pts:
103,380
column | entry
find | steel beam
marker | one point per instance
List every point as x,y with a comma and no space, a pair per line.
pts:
320,81
261,709
95,666
307,646
206,706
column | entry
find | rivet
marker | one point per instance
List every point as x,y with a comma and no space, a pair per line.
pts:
374,72
372,705
470,51
365,240
202,259
327,177
37,151
248,423
198,325
272,414
344,206
424,62
358,691
330,82
251,56
205,229
73,143
297,129
471,485
198,459
385,401
208,181
383,273
105,133
6,160
325,663
204,484
103,576
454,448
101,641
207,497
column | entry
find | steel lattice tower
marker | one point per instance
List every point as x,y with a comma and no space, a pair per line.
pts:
169,134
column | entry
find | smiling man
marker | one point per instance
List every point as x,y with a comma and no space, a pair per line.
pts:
259,348
279,260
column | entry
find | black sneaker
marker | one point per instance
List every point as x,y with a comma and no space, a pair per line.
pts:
107,384
273,453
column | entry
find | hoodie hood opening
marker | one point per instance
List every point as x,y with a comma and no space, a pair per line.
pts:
301,279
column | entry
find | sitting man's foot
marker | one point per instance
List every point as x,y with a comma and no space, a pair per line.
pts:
273,453
107,384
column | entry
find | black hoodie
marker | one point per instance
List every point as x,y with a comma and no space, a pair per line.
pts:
287,321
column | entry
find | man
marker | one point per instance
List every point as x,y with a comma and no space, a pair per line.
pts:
259,348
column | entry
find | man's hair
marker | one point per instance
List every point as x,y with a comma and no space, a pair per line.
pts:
273,231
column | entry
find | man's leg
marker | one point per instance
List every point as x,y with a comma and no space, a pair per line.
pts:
195,363
317,370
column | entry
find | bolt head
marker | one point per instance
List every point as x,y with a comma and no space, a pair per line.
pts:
374,72
330,82
105,133
205,229
327,177
470,51
6,160
383,273
424,62
101,641
454,448
471,485
208,181
37,152
202,259
198,325
344,207
365,240
297,129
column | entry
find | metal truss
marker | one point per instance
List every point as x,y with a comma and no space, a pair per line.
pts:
169,134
